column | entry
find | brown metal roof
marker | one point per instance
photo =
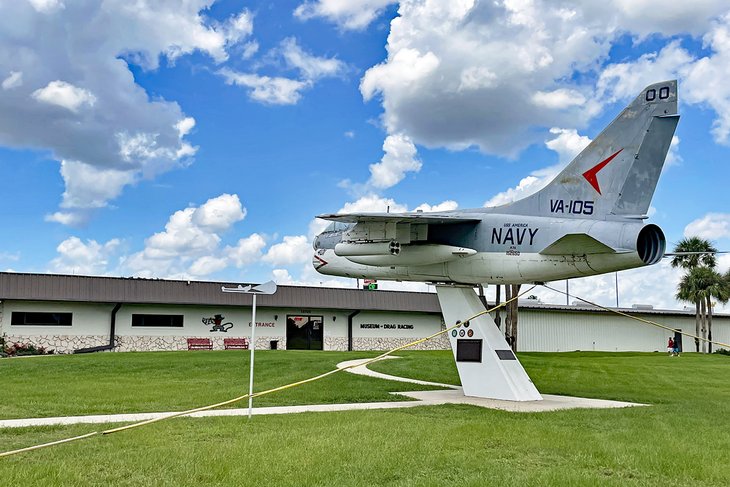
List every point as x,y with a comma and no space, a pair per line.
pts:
56,287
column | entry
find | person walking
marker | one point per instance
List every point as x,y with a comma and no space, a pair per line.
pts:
670,347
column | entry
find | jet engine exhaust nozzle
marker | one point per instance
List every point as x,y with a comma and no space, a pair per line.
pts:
651,244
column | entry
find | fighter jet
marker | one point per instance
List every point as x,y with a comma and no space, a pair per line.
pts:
589,220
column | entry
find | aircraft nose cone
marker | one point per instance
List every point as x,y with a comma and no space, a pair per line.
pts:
318,260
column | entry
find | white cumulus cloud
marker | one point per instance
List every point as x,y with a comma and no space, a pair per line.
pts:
89,186
220,213
14,80
280,90
69,89
207,264
266,89
567,143
65,95
399,159
447,205
88,258
497,75
293,249
190,244
246,251
712,226
46,6
310,67
702,78
347,14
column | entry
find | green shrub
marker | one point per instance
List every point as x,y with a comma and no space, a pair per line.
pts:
722,351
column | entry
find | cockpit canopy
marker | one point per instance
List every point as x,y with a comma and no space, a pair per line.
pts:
331,235
337,227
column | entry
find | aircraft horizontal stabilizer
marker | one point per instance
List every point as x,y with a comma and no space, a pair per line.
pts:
578,244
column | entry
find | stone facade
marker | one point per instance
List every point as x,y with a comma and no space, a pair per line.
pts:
264,343
129,343
335,343
61,343
146,343
440,342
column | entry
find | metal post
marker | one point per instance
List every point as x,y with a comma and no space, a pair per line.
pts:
567,293
253,348
617,290
265,288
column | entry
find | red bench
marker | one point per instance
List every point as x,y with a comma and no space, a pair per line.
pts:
200,344
235,344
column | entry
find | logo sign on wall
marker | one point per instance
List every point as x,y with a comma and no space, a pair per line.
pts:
370,284
217,322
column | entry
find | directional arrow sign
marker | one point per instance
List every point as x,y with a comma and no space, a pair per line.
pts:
265,288
254,289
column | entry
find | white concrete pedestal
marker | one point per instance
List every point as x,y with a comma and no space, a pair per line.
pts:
487,366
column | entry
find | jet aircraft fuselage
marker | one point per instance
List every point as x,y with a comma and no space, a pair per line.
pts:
498,248
589,220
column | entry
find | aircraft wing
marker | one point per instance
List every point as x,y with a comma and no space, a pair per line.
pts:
579,244
411,217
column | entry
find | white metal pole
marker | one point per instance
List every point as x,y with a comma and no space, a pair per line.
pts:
253,348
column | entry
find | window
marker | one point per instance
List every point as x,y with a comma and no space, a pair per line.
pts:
34,318
157,320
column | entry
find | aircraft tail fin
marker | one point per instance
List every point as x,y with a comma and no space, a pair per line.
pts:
617,173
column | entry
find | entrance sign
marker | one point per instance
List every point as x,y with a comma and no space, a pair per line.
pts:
265,288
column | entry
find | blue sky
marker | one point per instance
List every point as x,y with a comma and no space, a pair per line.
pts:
198,139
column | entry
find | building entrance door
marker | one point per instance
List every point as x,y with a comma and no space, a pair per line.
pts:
304,332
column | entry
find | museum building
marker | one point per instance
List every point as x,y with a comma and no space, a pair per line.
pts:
83,313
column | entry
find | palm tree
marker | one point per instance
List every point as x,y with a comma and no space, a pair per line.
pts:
700,285
688,291
694,253
719,288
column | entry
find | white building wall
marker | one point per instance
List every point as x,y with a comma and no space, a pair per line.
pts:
558,331
720,331
91,325
539,329
88,318
89,328
377,330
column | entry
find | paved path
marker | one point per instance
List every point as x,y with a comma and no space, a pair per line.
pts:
550,402
421,398
362,370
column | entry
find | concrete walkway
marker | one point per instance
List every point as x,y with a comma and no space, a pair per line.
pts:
421,398
362,370
456,395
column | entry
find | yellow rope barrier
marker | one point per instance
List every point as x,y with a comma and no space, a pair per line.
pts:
269,391
643,320
52,443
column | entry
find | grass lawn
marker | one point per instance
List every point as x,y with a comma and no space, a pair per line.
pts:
110,383
682,439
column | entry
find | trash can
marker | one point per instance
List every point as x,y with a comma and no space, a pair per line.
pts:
274,344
